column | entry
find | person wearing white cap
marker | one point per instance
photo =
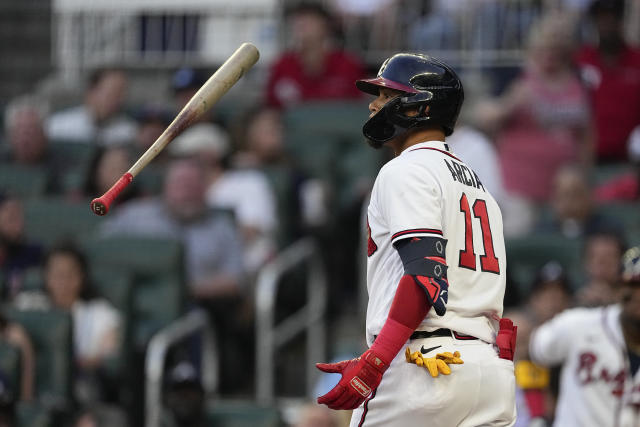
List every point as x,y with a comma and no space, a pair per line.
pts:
246,191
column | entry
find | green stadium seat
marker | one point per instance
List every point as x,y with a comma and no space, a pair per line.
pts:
151,180
325,139
280,179
33,414
51,219
117,287
627,214
33,280
341,118
74,155
156,266
22,181
603,173
10,366
527,254
51,335
242,414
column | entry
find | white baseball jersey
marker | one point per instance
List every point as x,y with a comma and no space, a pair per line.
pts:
428,191
596,385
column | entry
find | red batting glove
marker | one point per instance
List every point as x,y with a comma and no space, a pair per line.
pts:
360,377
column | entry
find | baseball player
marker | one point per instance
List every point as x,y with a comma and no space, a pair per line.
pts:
600,352
435,272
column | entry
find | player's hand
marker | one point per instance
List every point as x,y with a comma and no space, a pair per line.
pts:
435,365
437,290
360,377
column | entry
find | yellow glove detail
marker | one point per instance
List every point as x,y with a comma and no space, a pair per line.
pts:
449,358
435,365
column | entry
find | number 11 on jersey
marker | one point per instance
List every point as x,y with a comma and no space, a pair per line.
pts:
488,261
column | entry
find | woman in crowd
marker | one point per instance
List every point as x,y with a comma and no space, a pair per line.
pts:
96,323
542,121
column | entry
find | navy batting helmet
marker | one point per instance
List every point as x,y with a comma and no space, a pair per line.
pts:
425,82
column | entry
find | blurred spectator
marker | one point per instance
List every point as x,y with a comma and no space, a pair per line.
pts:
27,143
625,187
106,167
16,253
86,418
313,68
100,119
23,124
185,83
213,254
543,119
184,397
96,323
15,334
368,24
436,27
601,255
260,137
550,293
152,121
572,209
245,191
474,146
313,415
611,70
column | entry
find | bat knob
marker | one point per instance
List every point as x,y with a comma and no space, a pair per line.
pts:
98,207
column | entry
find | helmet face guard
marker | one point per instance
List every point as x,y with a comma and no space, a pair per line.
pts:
430,88
391,121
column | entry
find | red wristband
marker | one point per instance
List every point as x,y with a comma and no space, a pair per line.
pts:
390,340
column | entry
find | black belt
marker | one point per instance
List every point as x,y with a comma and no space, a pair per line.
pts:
442,332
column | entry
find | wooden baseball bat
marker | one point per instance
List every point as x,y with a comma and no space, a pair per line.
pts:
218,84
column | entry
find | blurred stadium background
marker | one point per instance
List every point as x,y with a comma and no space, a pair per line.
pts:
206,300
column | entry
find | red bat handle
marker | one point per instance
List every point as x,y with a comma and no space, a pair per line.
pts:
100,206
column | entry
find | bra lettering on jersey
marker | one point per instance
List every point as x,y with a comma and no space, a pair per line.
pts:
463,174
587,373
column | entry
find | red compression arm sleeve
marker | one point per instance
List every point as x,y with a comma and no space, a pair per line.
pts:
410,306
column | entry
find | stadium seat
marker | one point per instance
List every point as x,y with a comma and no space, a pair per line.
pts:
325,139
626,214
51,219
151,179
288,213
22,181
341,118
242,414
156,267
51,334
527,254
602,173
33,414
117,287
72,154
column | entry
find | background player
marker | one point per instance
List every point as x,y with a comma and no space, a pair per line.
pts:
427,209
600,352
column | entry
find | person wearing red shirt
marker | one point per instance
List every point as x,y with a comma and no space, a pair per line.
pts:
611,70
314,68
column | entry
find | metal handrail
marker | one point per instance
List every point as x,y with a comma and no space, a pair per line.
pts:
269,336
196,320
